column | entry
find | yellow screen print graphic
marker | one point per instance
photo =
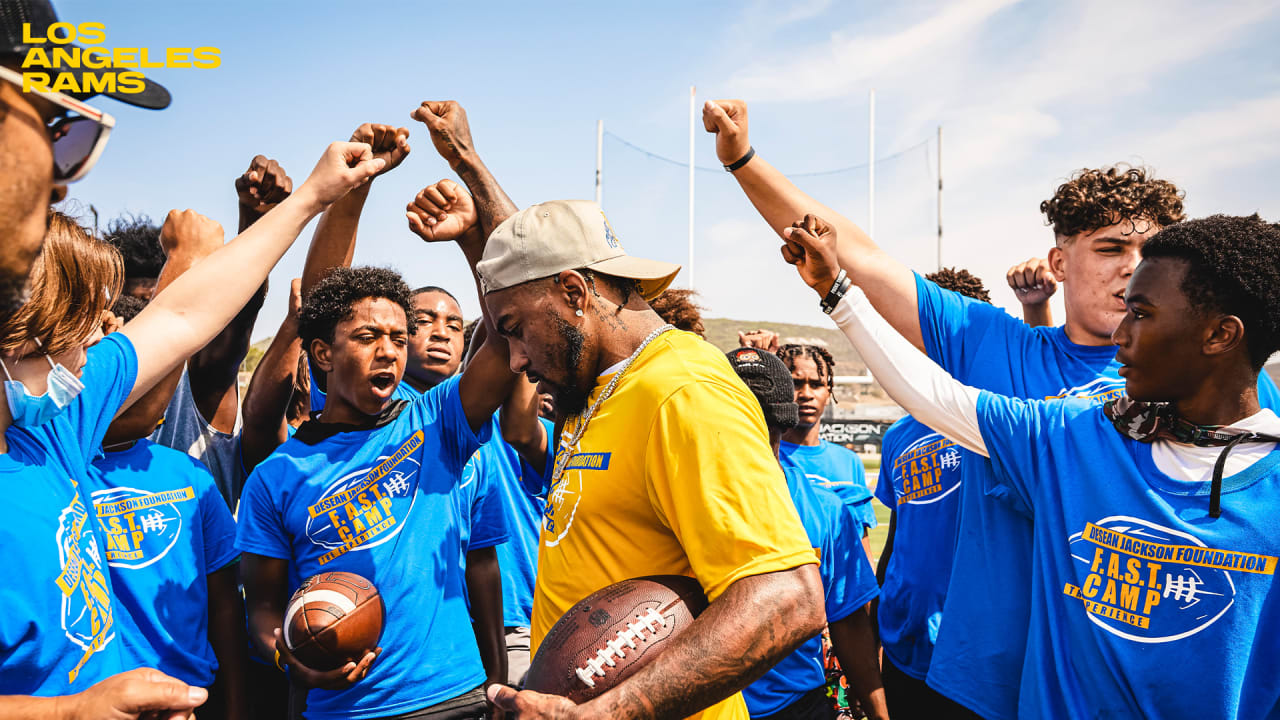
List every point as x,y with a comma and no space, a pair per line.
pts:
86,602
141,526
929,468
1153,584
49,63
360,511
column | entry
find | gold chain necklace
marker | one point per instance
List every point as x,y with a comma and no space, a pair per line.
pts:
562,459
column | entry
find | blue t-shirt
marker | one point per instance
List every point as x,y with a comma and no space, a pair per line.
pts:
920,482
978,658
167,528
59,632
499,464
388,504
835,468
1142,604
848,583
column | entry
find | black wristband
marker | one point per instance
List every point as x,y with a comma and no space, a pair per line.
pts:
837,291
751,152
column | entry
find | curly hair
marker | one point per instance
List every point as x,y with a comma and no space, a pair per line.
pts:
1233,268
1094,199
821,358
333,300
677,307
138,240
961,281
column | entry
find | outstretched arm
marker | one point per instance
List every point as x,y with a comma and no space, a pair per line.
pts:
186,237
183,320
889,284
266,402
443,211
914,381
214,371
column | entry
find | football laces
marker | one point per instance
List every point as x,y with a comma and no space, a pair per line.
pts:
626,639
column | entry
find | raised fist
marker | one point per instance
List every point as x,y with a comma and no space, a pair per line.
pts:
728,120
450,132
1033,281
263,185
389,143
810,245
342,167
441,212
187,231
766,340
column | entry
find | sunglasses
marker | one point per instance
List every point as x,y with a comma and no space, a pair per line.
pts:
79,140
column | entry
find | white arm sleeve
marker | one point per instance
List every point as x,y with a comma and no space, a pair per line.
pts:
914,381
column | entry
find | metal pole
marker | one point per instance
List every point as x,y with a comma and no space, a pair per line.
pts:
599,161
693,109
871,165
939,197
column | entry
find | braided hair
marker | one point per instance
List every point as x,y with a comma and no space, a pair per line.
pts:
821,358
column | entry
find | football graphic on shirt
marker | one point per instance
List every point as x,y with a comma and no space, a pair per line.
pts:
1152,584
140,526
365,508
612,633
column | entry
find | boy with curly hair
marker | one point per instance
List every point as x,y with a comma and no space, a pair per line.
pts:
372,484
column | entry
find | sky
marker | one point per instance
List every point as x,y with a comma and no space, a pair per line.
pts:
1026,92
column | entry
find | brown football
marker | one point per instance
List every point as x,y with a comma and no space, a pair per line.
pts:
333,618
612,633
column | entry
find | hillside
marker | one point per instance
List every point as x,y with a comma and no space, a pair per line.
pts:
723,333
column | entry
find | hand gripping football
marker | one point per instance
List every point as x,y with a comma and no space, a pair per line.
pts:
612,633
333,618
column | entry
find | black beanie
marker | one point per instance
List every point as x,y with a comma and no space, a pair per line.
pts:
770,381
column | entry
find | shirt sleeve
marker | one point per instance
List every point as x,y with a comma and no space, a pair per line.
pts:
884,483
110,370
852,582
217,524
489,510
954,327
537,483
717,485
443,407
1022,437
261,527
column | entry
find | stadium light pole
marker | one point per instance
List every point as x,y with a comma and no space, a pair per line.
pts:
939,197
600,162
693,110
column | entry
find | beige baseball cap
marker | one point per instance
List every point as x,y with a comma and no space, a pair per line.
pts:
551,237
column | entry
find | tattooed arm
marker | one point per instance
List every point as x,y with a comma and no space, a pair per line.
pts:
747,630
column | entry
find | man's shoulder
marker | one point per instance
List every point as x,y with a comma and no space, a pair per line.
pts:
683,362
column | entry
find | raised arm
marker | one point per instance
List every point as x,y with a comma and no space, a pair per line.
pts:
266,402
889,284
1033,282
440,212
214,371
914,381
520,427
334,242
185,318
186,237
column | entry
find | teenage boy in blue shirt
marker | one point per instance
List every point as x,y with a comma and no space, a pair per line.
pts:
1100,218
1154,557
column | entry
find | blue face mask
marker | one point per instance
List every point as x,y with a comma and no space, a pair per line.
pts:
32,411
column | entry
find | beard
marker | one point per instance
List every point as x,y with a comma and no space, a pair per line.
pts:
15,291
570,399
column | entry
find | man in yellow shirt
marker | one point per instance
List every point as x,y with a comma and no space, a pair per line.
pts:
664,466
